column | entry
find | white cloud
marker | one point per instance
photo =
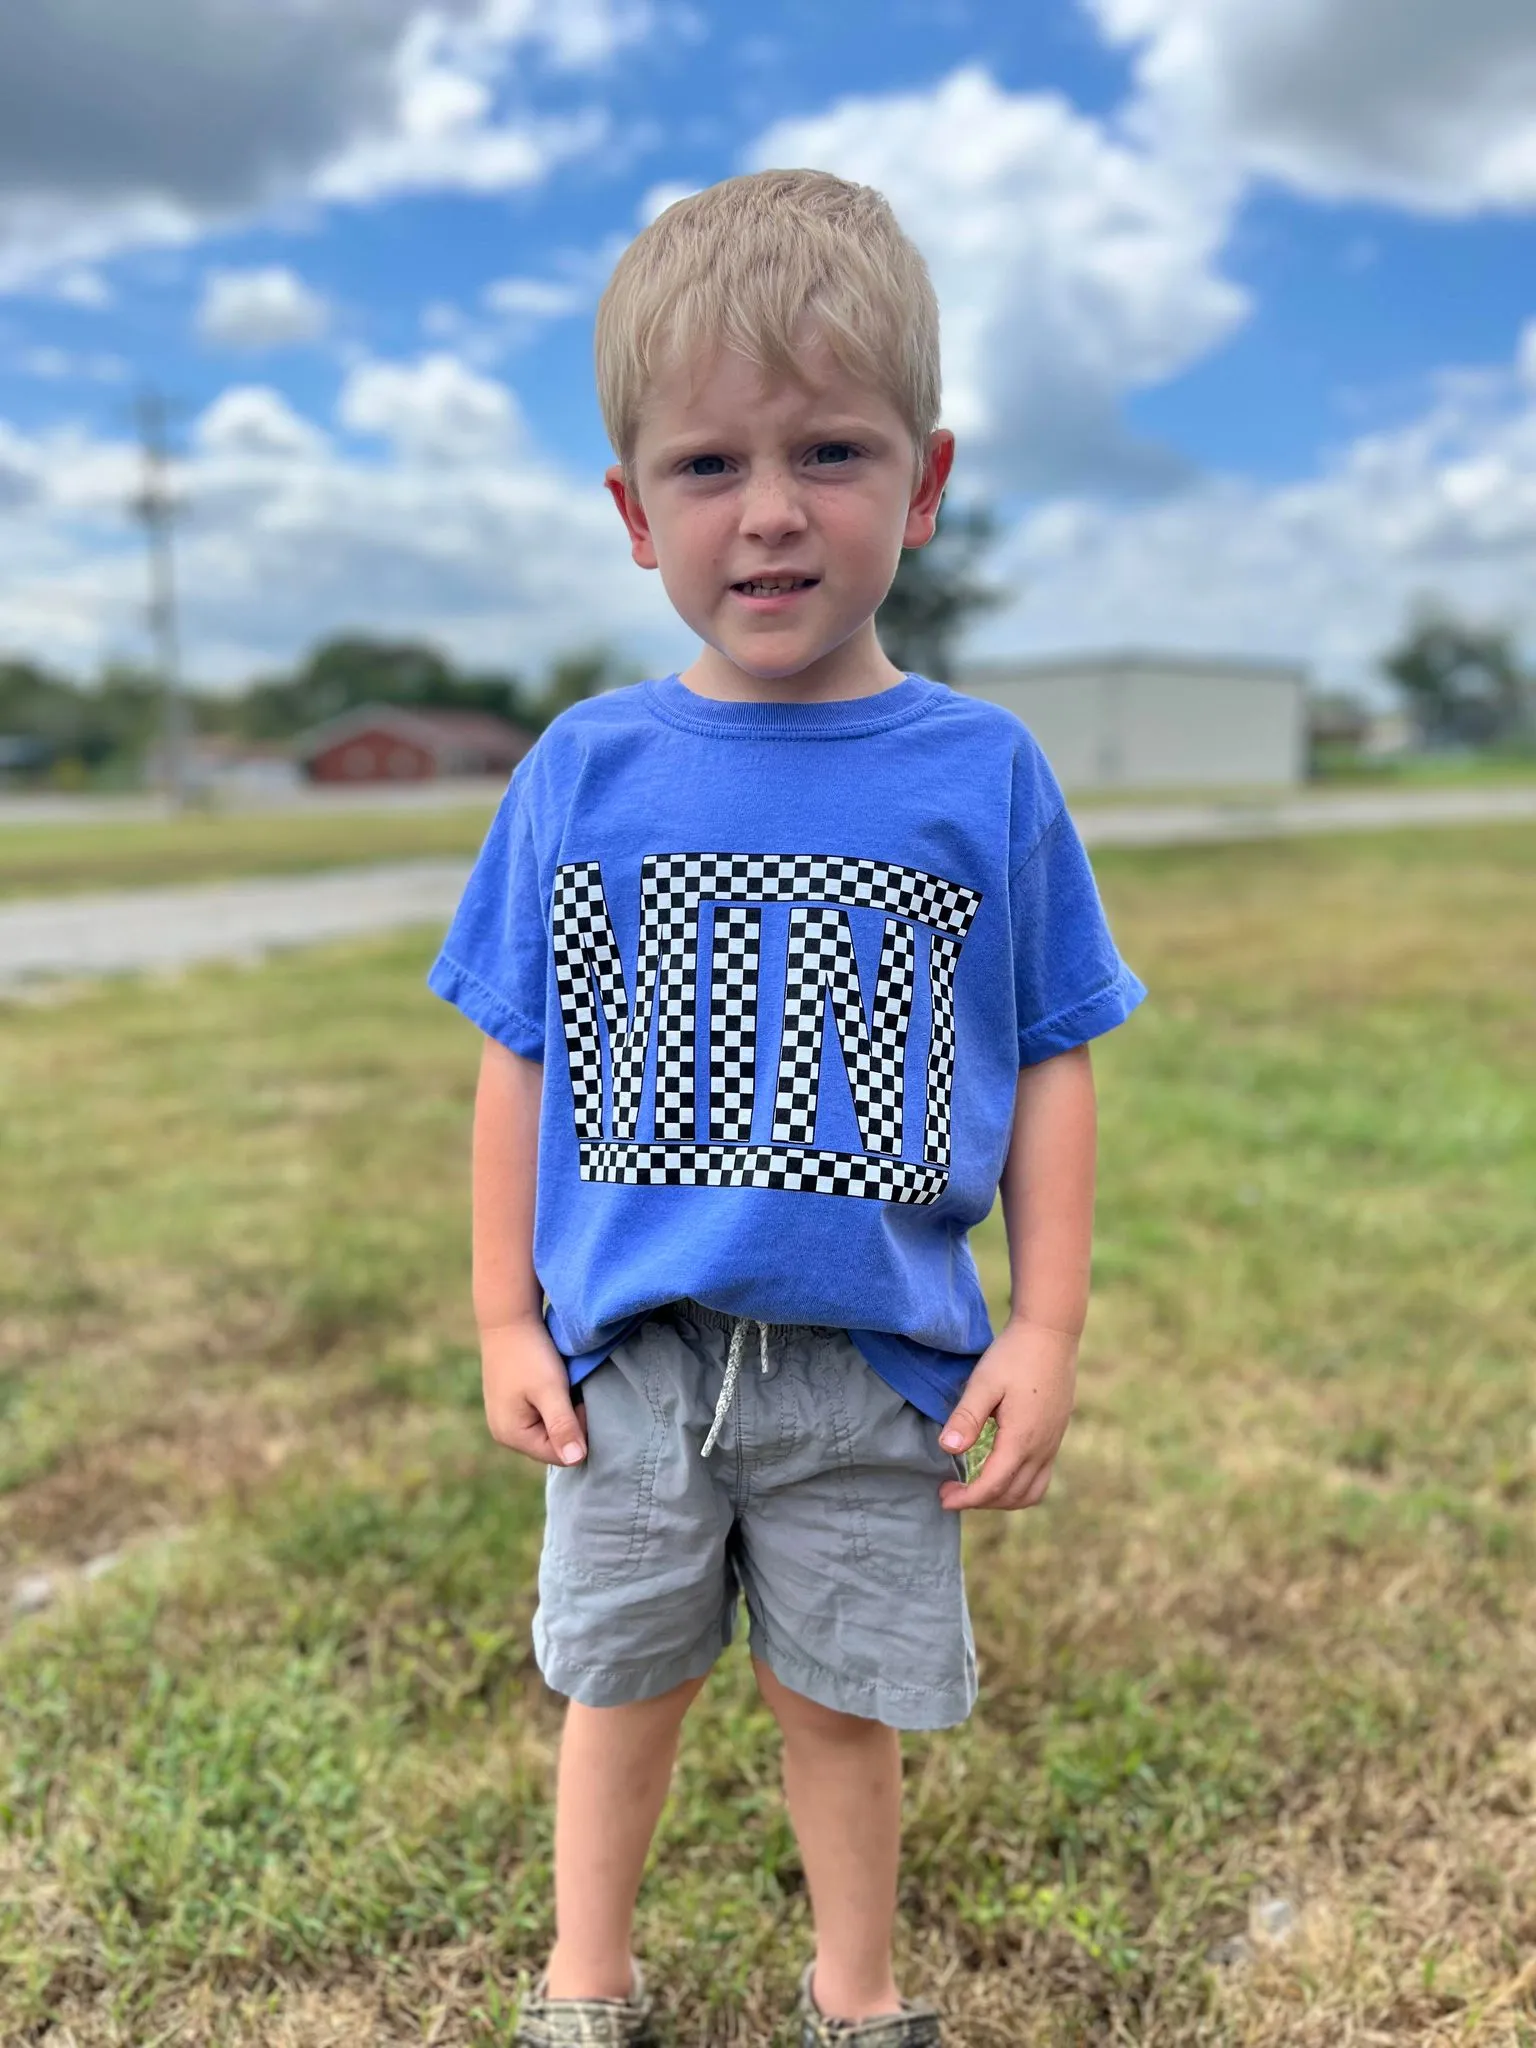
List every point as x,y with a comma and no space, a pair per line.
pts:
83,287
260,309
437,409
1324,568
65,366
534,298
1413,102
1071,266
659,197
254,421
150,125
442,131
287,536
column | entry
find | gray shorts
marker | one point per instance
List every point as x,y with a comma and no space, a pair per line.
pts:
819,1504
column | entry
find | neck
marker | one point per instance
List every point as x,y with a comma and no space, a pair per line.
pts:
858,668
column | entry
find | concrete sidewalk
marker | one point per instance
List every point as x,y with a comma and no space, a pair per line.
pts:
130,930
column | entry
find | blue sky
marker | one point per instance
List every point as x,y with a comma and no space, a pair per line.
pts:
1239,305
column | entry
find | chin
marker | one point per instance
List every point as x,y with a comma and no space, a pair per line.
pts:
770,666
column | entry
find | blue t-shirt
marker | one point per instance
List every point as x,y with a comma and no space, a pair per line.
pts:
782,964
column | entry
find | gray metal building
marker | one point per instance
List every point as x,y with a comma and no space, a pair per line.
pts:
1150,721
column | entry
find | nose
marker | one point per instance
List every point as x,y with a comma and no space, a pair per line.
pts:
770,507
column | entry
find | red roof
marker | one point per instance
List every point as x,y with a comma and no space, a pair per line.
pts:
437,731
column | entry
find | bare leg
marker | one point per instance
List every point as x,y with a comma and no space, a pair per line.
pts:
842,1777
615,1767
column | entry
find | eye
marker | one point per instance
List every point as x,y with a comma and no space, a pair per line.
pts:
835,451
693,468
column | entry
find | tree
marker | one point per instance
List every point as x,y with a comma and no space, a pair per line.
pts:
1465,683
937,593
573,677
353,669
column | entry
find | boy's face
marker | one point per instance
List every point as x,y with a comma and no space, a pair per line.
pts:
740,479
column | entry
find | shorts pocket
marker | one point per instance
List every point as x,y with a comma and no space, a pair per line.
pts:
891,1466
598,1514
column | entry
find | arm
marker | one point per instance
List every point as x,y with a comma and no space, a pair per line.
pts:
1027,1376
527,1393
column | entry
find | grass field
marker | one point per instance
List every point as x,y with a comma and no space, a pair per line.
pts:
279,1777
210,846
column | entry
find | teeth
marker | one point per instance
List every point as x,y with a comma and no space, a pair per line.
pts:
762,589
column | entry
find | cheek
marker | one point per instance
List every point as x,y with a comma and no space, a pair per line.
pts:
693,536
866,531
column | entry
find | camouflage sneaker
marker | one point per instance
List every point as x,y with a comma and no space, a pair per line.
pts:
546,2022
915,2026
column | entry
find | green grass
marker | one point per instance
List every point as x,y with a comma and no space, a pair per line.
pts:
281,1777
213,846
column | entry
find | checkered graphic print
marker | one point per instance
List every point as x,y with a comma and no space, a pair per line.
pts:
941,1048
584,949
672,884
764,1166
733,1020
595,1006
822,965
675,1026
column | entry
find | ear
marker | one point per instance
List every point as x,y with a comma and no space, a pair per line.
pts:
923,511
632,512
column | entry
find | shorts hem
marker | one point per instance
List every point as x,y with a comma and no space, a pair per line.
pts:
622,1685
912,1708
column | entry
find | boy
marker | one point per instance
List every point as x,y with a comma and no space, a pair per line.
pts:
765,1350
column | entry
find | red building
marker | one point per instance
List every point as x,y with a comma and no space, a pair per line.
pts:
387,743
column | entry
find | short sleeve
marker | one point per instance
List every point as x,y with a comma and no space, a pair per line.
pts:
494,961
1070,983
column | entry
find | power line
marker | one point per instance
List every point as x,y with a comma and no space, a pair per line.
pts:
155,507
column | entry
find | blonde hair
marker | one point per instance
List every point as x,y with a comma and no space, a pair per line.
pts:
746,265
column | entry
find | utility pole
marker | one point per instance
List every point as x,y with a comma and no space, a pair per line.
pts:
156,509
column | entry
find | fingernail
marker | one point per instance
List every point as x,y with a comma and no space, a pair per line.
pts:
951,1440
572,1454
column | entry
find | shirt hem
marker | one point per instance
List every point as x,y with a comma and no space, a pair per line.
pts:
1090,1018
485,1008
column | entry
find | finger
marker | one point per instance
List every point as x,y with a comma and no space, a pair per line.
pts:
532,1443
1025,1490
1003,1465
978,1397
562,1426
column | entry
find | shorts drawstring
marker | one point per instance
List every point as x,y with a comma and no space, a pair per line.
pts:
733,1373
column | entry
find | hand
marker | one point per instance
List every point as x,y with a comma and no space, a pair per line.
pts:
1027,1378
528,1394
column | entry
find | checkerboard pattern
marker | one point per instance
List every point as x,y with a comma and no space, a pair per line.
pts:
675,1028
584,949
673,884
733,1020
822,964
764,1166
941,1048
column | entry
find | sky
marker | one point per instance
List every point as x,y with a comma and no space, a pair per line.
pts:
1238,306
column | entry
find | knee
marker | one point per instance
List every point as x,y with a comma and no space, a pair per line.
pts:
804,1720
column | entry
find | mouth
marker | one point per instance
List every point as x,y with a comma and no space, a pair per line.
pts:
768,590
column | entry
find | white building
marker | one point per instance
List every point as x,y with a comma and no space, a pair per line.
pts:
1150,721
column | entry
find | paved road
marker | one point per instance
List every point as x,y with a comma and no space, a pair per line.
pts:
305,799
132,929
126,930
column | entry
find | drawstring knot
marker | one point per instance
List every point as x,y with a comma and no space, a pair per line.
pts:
733,1374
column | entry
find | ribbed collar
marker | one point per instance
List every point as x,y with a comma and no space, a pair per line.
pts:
843,718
